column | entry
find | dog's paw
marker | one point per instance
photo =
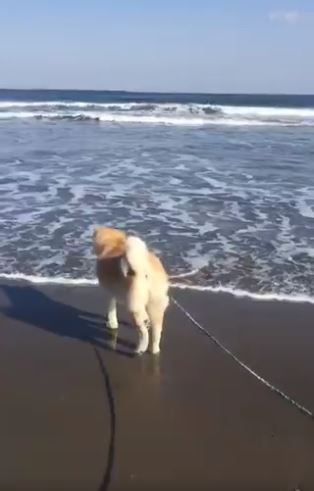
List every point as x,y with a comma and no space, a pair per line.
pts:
139,353
154,350
112,324
140,350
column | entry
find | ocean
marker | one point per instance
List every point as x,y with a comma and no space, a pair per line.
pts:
222,186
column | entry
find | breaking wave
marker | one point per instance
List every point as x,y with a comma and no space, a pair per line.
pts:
189,114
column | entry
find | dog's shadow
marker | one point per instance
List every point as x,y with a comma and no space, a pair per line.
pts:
34,307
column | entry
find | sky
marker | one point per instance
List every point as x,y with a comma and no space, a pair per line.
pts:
158,45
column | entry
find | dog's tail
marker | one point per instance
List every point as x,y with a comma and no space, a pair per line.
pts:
135,260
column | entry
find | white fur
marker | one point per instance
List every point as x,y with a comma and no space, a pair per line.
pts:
136,256
112,319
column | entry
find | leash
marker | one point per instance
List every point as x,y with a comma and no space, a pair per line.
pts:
107,474
237,360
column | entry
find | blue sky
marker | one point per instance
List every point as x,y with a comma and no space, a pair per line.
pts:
166,45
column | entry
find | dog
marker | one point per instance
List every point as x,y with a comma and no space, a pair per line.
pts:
134,276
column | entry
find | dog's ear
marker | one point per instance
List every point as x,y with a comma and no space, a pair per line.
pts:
103,240
106,239
98,241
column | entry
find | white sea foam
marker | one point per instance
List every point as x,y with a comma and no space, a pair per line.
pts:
184,275
269,112
305,202
109,117
266,297
83,282
46,280
158,113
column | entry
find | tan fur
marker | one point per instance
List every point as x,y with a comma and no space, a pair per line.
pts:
144,292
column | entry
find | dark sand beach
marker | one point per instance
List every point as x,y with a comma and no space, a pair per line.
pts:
78,413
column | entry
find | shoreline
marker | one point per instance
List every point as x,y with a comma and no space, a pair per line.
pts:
90,415
224,290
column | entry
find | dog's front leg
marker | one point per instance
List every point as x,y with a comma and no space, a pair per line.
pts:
112,319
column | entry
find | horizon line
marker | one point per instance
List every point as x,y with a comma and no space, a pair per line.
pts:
127,91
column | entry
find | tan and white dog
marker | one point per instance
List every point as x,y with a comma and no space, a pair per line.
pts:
133,275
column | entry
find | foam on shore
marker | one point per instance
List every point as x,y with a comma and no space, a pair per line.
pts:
85,282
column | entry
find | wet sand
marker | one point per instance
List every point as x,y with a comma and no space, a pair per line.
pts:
78,413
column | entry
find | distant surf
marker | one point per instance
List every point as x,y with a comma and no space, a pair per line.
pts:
188,114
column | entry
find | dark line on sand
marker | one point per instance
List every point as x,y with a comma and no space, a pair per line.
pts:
107,475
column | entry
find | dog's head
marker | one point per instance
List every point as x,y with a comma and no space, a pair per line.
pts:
108,241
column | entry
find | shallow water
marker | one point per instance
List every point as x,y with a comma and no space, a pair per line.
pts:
233,200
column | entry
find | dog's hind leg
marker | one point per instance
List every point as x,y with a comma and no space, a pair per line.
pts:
140,321
156,312
112,320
